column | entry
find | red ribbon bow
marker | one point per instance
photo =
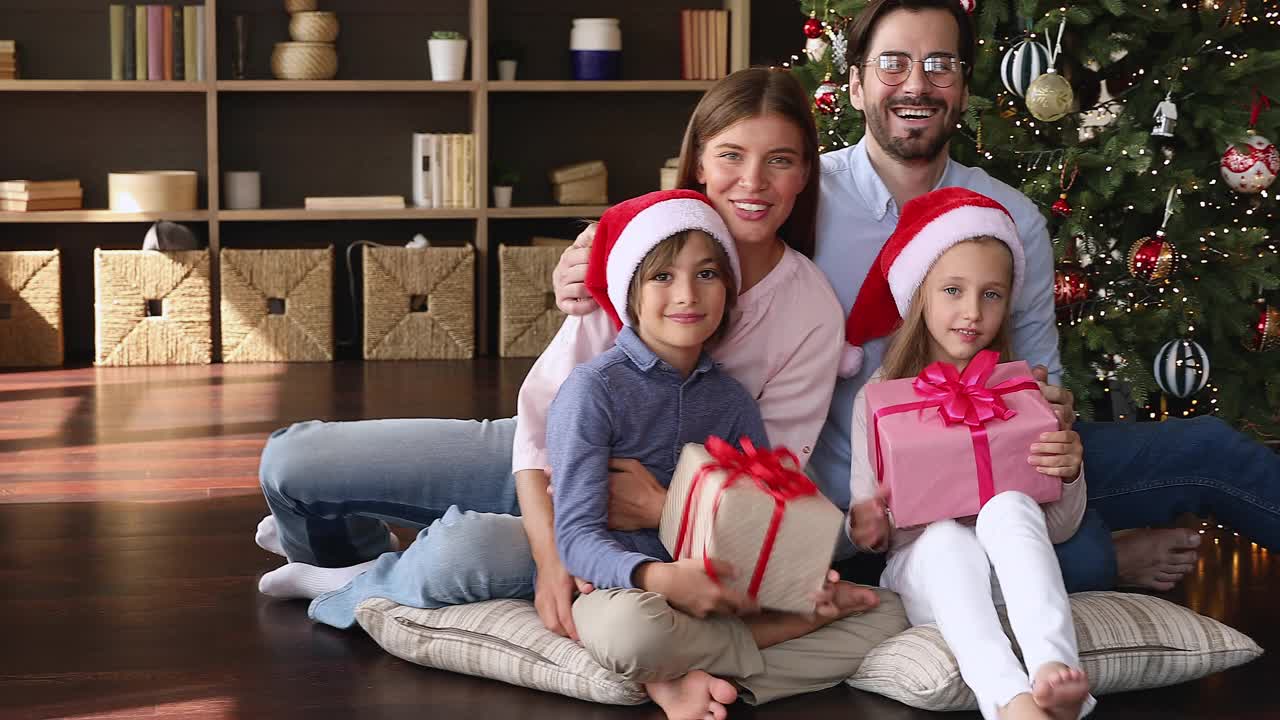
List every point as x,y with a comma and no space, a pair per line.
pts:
1260,102
961,398
773,471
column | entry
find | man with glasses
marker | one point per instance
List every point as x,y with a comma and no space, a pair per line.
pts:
909,63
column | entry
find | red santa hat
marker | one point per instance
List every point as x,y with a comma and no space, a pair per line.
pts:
929,226
630,229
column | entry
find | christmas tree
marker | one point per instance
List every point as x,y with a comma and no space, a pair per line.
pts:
1158,236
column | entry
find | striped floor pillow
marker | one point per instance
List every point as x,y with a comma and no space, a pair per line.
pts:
1127,642
498,639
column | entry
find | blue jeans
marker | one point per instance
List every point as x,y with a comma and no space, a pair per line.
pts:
1142,474
463,557
331,485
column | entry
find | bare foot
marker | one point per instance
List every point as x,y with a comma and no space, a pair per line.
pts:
696,696
1059,690
1155,559
852,599
1022,707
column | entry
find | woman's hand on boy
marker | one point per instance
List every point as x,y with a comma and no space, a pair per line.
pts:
635,497
553,595
687,587
1059,398
569,277
1059,454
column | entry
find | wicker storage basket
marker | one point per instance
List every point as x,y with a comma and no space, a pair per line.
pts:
304,61
528,316
277,305
419,303
313,27
30,309
151,308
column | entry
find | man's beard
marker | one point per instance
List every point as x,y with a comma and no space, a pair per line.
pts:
911,147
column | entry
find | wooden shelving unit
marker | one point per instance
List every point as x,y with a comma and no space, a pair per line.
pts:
340,137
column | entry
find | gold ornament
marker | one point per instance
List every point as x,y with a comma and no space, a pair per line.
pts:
1049,97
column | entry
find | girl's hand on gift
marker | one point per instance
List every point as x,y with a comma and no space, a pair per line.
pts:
635,497
869,522
1059,454
688,588
569,277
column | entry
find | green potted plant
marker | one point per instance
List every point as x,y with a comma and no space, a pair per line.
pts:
448,53
504,181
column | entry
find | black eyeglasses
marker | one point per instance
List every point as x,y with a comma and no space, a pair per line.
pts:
895,68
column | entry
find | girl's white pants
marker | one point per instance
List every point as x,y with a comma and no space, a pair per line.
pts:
944,577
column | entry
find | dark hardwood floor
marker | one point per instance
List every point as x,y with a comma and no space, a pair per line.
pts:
128,499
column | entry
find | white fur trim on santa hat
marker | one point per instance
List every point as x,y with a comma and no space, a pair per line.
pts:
650,227
963,223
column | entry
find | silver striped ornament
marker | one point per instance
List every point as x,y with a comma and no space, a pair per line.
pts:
1023,63
1181,368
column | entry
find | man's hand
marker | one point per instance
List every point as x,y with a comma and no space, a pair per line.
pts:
571,273
635,497
688,588
869,523
1059,454
1060,398
553,595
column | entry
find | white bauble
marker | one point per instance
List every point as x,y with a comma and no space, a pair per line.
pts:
1253,171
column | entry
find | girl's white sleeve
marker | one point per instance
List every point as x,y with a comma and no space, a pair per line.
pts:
862,475
580,339
1063,516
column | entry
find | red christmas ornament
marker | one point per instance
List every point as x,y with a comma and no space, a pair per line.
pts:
1266,331
813,28
826,98
1061,207
969,5
1070,285
1151,258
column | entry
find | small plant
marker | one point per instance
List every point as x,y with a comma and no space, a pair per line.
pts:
505,176
447,35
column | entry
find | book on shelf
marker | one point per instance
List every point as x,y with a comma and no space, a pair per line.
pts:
578,171
60,203
190,70
355,202
155,42
129,59
443,167
140,42
166,40
115,21
39,194
421,167
704,44
179,48
200,42
65,187
8,60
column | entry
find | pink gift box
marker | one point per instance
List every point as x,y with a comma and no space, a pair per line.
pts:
948,441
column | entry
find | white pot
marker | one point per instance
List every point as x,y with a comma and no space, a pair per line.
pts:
595,34
242,190
506,70
502,196
448,59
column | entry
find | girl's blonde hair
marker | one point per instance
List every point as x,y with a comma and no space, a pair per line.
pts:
908,352
663,255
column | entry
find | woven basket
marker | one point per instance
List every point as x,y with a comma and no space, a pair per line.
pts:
304,61
152,308
419,303
277,305
528,316
30,309
321,27
297,6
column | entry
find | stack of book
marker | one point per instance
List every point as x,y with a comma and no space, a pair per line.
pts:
704,44
444,170
157,42
581,184
32,195
8,60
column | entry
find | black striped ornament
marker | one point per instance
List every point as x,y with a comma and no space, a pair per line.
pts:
1181,368
1023,63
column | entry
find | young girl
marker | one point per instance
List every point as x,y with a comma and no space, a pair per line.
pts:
947,278
665,272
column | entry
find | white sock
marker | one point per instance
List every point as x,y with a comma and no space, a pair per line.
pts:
300,580
268,537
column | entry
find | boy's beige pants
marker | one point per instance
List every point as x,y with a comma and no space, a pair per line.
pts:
637,635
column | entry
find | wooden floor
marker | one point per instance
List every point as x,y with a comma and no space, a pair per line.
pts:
115,608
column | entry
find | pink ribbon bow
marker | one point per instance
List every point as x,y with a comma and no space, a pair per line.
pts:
769,470
961,398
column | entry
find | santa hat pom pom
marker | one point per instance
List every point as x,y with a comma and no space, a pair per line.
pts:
850,361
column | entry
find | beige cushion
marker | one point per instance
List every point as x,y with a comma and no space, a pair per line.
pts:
499,639
1127,642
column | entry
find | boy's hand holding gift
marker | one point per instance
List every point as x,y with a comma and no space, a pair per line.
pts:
754,511
944,443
